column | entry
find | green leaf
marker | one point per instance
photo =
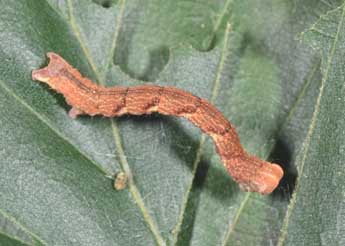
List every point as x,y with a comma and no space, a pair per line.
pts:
56,173
5,240
319,194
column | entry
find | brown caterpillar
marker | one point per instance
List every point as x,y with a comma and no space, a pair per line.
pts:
86,97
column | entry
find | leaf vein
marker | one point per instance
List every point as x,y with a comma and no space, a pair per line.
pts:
46,122
328,35
13,220
214,95
310,132
122,158
115,35
77,33
287,119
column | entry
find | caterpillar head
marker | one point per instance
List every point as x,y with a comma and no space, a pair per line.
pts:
51,74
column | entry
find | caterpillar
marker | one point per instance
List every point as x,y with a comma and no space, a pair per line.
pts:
86,97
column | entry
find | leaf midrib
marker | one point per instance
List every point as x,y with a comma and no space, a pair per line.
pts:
117,139
99,76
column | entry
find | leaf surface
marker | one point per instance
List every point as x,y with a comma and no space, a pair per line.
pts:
57,173
319,194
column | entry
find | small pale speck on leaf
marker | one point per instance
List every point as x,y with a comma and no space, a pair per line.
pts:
120,181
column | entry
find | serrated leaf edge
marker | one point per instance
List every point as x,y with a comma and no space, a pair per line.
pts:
307,141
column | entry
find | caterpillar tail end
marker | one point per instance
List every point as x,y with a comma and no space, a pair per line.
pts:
266,180
255,175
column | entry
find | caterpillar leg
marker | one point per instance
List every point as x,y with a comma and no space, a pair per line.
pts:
74,112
